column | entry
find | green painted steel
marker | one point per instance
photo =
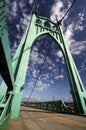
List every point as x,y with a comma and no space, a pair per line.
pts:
5,106
6,69
4,123
20,62
55,106
15,73
5,111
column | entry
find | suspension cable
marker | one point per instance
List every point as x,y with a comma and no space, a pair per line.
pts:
68,10
34,9
39,73
59,22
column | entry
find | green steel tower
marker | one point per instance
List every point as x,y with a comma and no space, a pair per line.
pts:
15,73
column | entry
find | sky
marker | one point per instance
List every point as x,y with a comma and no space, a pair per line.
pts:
53,81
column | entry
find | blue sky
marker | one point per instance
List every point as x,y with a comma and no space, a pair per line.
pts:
54,80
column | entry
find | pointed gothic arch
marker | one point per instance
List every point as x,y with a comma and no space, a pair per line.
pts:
20,61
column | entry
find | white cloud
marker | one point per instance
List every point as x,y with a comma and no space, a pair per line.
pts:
13,49
78,47
62,70
36,58
45,76
59,77
30,1
11,9
18,27
79,23
42,86
21,4
31,84
69,33
58,9
59,54
50,68
24,21
39,83
35,73
14,8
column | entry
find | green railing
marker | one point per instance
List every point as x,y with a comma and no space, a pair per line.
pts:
5,111
4,122
56,106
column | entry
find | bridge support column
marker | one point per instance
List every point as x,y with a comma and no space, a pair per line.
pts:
33,31
20,66
77,88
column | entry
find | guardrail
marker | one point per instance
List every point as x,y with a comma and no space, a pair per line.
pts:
57,106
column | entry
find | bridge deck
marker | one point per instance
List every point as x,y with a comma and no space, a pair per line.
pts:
35,119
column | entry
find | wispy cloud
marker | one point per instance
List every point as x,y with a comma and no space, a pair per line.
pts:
14,8
59,77
74,26
30,1
59,54
14,48
79,25
42,86
18,17
19,14
59,9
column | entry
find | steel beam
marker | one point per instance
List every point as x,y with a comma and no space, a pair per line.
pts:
34,30
6,70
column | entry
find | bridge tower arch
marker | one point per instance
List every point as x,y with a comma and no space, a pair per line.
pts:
38,26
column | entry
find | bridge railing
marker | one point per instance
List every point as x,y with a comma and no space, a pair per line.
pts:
57,106
5,106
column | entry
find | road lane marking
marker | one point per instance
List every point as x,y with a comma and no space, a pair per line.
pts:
66,120
43,120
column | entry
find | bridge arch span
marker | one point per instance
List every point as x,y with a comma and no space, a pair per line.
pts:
34,30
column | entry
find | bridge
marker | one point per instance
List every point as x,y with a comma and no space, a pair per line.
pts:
31,119
13,73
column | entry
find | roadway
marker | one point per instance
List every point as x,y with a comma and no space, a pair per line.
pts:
35,119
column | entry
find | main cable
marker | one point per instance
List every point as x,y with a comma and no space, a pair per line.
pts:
34,8
67,11
40,72
59,21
